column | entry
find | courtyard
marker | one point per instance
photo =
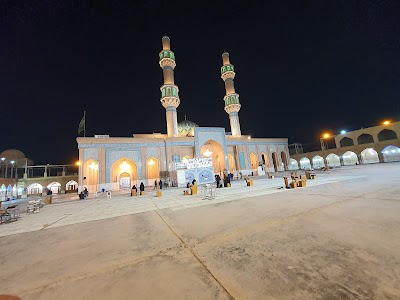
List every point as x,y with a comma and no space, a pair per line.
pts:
337,238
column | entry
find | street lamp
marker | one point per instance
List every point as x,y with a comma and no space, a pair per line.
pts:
12,167
324,144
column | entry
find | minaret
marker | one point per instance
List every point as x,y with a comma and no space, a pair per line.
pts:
232,105
169,91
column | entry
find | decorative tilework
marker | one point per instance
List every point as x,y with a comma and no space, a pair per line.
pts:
127,146
203,134
153,151
252,148
113,155
90,153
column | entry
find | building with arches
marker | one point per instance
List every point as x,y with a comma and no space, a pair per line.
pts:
377,144
114,163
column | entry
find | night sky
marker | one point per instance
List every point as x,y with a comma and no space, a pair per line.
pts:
302,68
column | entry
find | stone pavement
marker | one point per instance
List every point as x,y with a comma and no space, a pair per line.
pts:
338,238
63,213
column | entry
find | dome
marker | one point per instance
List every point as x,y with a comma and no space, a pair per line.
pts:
12,154
186,128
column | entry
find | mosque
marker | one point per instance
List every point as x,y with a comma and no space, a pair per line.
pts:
114,163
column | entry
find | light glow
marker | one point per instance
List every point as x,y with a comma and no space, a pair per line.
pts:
326,135
94,166
343,131
151,162
13,161
3,158
386,122
207,153
124,166
78,163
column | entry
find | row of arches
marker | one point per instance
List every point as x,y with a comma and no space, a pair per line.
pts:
384,135
37,188
367,156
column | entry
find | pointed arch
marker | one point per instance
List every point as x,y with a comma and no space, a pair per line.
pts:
305,163
365,139
34,189
253,162
387,134
293,164
275,161
123,166
369,156
318,162
231,161
350,158
391,153
333,160
71,185
54,187
153,170
214,150
346,142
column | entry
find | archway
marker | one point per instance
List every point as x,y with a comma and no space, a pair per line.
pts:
90,169
34,189
391,153
123,166
265,161
293,164
231,161
365,139
284,160
71,185
349,158
253,162
318,162
275,161
125,181
305,164
345,142
153,172
387,134
214,150
333,160
54,187
369,156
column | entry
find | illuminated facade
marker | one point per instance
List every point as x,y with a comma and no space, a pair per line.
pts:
114,163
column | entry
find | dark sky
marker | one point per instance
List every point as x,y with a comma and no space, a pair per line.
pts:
302,67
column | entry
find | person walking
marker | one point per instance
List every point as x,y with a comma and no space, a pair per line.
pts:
141,188
155,184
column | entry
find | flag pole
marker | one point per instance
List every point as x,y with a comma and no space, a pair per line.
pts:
84,123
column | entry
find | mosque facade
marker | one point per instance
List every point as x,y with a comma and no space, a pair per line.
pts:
114,163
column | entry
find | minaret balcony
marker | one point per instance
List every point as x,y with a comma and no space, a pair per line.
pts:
228,74
232,108
231,99
168,90
167,62
169,101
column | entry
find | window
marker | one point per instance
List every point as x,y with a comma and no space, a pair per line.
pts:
174,91
163,93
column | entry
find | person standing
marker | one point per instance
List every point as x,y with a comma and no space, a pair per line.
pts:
155,184
160,183
141,188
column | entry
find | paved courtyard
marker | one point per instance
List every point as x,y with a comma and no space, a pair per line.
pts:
338,238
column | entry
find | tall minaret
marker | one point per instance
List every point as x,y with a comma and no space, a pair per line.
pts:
169,91
232,105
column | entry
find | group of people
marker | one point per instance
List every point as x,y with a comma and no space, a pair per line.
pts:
141,188
160,183
84,194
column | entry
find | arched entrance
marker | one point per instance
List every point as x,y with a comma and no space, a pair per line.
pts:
153,173
391,153
128,168
318,162
305,164
349,158
34,189
125,181
369,156
293,164
54,187
284,160
333,160
71,185
215,151
254,163
90,169
275,161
